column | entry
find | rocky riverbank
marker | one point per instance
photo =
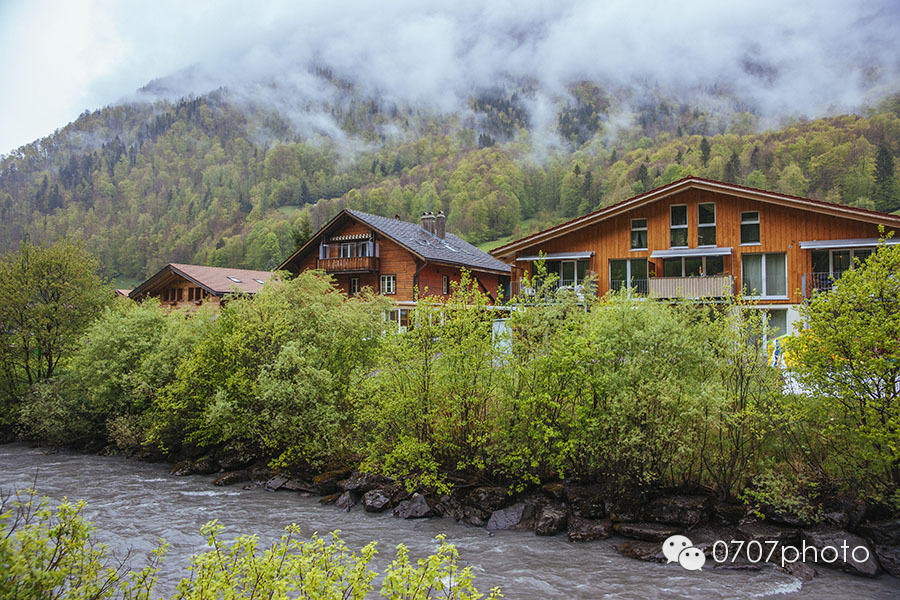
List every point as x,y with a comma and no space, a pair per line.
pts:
588,512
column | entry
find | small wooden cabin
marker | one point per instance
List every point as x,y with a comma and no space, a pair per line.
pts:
395,258
189,286
698,238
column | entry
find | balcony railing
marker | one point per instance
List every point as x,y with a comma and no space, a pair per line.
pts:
715,286
353,264
636,286
822,282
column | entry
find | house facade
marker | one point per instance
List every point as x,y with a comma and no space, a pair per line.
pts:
697,238
190,286
396,258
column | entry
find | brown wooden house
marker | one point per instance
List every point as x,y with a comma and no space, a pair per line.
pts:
698,238
189,286
395,258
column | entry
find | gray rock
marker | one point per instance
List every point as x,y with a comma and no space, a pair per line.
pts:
376,500
726,513
416,507
686,511
648,551
587,530
762,532
232,477
296,485
361,482
275,483
488,499
327,482
651,532
839,544
506,518
885,538
586,501
346,501
800,570
551,520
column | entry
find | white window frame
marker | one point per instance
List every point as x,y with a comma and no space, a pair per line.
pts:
853,257
672,226
445,284
705,225
703,271
387,284
354,286
763,295
756,222
644,229
629,279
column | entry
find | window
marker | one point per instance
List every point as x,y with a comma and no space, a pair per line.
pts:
570,272
445,284
776,323
828,265
639,234
234,279
706,224
628,274
354,286
190,294
400,316
388,284
362,249
259,281
678,232
749,227
693,266
764,275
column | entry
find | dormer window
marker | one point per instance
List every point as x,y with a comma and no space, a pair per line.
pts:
234,279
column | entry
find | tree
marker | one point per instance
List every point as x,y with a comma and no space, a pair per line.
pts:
848,361
302,230
733,168
704,151
48,296
885,193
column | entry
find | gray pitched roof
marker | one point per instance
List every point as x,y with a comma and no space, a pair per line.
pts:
451,249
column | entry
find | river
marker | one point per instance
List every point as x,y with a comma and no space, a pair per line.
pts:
133,504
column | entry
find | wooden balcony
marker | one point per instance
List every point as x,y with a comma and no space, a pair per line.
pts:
353,264
716,286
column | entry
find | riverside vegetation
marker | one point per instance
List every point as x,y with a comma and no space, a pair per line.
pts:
630,399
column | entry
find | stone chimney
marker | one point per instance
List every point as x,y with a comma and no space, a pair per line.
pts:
428,222
440,224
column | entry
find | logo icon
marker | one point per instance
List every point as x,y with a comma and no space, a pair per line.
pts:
678,548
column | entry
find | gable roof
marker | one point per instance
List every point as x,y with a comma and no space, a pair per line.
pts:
215,280
451,249
691,182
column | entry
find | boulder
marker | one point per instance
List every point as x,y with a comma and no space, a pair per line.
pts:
275,483
686,511
762,532
551,520
487,499
800,570
232,477
622,511
726,513
346,501
588,530
416,507
329,499
839,552
586,501
297,485
361,482
555,491
327,482
376,500
507,518
885,539
181,468
648,551
651,532
205,466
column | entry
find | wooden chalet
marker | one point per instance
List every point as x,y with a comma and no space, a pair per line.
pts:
698,238
189,286
395,258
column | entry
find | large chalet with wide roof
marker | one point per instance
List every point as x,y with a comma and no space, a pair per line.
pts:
697,238
396,258
189,286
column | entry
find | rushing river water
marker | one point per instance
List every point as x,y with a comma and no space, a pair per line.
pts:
134,504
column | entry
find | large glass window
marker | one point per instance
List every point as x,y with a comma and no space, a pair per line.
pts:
388,284
678,229
570,272
639,234
693,266
750,227
706,224
628,273
765,275
828,265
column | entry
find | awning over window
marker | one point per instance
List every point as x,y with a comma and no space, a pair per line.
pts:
679,252
854,243
558,256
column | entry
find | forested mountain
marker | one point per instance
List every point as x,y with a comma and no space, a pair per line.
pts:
221,181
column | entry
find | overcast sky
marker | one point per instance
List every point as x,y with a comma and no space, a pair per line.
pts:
58,58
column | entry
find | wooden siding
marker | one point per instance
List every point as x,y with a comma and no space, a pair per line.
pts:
782,228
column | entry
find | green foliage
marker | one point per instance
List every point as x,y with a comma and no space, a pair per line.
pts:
48,296
848,361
